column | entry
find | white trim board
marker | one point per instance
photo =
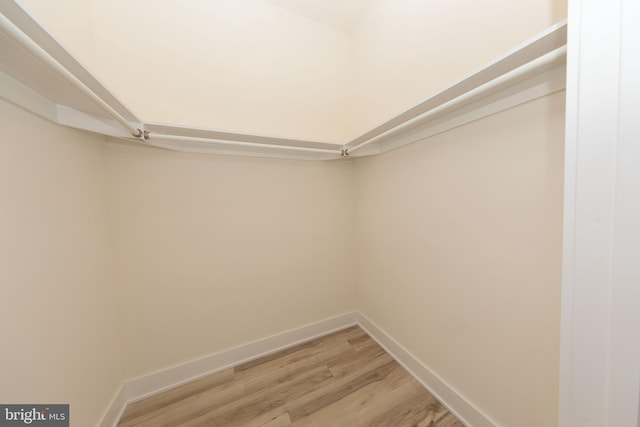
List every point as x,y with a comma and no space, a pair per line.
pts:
599,338
15,92
115,409
160,381
510,95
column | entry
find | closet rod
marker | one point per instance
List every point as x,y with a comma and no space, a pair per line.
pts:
41,54
161,137
540,62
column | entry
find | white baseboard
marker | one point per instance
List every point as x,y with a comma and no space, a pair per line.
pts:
157,382
464,410
115,409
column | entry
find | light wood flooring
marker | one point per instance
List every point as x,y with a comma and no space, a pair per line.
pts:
342,379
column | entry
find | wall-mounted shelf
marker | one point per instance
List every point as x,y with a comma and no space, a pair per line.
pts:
38,74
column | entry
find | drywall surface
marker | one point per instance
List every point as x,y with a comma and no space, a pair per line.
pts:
57,315
70,22
214,252
406,51
459,256
240,65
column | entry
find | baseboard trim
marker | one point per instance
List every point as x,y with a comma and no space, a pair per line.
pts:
160,381
464,410
115,409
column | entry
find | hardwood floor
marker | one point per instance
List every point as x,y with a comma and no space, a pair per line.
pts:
342,379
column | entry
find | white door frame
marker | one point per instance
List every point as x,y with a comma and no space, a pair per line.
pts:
600,330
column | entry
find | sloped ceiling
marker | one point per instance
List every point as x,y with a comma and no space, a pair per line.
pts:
340,14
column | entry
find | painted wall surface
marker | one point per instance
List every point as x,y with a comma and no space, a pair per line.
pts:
406,51
240,65
70,22
60,341
215,252
459,256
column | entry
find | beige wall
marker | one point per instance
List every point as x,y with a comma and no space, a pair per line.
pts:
406,51
457,241
57,313
459,256
214,252
70,22
239,65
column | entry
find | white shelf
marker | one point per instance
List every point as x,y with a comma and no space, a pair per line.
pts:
18,64
532,70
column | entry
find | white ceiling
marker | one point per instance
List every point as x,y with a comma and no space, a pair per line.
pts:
340,14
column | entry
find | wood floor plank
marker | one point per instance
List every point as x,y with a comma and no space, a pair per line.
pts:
362,342
302,350
282,420
449,420
351,361
136,409
422,410
384,404
342,379
234,393
245,383
243,410
324,395
351,405
340,391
